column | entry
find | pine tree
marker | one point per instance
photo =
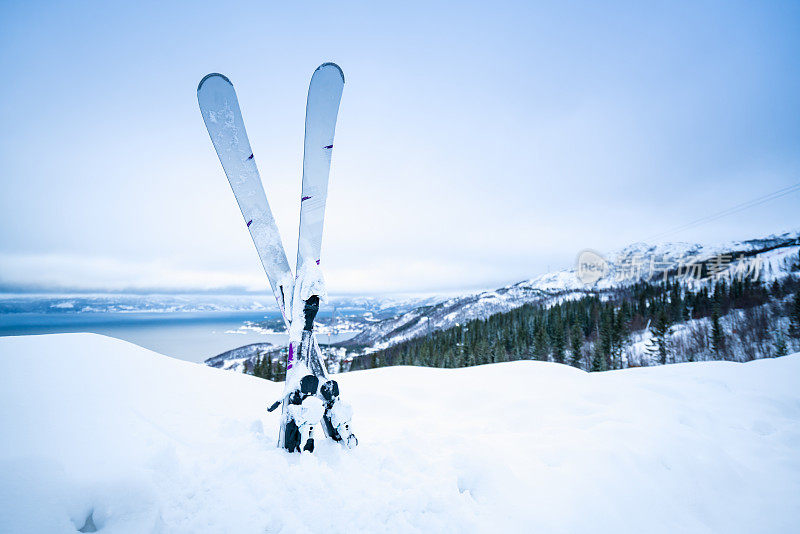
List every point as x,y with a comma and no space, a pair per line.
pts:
618,336
794,316
659,342
540,342
469,358
781,349
268,373
717,334
576,343
605,343
559,341
675,303
598,358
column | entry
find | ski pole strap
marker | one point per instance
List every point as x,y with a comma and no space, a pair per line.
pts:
274,406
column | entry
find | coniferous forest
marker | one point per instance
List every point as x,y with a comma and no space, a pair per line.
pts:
269,365
739,320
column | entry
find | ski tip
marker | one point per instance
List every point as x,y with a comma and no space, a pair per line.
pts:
335,66
213,74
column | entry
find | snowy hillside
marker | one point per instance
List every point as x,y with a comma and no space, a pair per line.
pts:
97,428
770,257
233,359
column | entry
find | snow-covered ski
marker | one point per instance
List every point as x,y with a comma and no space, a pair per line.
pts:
220,108
324,96
322,108
222,115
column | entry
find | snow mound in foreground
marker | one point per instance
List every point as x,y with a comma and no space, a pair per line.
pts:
96,427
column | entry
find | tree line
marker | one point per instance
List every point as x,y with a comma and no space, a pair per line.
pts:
269,365
592,332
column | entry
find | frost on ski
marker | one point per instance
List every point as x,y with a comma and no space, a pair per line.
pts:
309,282
322,108
293,377
223,119
324,95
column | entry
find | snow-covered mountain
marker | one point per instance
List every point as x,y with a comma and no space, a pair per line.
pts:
99,432
767,258
384,305
379,307
234,359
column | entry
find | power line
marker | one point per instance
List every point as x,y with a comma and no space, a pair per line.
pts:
730,211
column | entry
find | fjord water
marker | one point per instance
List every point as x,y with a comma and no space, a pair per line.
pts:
191,336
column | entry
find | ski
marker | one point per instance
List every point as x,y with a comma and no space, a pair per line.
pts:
322,109
324,96
223,118
305,401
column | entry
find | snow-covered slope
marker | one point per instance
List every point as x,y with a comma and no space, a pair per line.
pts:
235,358
771,257
93,426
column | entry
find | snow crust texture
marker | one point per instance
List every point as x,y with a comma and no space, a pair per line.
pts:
96,427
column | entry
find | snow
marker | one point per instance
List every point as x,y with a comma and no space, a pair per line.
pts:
144,443
551,288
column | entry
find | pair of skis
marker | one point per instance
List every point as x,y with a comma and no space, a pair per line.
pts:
298,295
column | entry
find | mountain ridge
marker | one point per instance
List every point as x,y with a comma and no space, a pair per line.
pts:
565,284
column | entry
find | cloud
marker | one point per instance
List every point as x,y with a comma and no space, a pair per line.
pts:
84,273
68,272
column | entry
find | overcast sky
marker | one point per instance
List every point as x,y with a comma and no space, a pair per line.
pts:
478,144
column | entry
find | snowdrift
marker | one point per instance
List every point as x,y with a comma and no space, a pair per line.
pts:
97,428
